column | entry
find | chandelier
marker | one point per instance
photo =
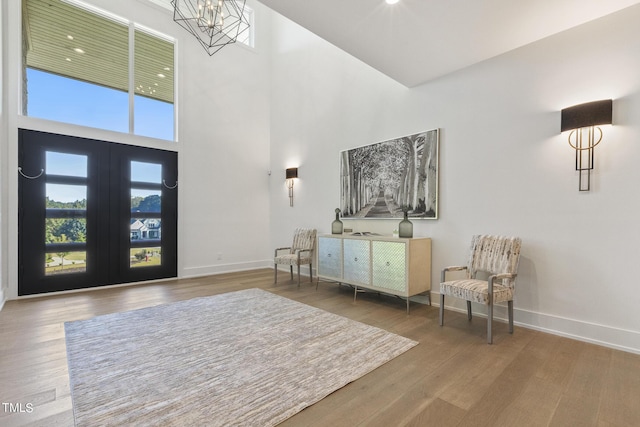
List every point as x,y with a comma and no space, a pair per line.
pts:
214,23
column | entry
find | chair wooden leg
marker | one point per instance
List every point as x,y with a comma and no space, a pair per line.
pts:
490,323
275,272
441,309
510,308
298,275
291,271
469,310
311,272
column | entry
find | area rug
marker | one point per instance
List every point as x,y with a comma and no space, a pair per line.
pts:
242,358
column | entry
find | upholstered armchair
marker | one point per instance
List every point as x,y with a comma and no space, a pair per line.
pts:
497,257
299,253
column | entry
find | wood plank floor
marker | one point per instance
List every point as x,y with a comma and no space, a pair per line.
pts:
452,378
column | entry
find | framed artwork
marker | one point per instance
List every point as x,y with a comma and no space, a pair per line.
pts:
384,179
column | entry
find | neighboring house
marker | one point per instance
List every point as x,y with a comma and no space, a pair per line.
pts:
154,228
143,229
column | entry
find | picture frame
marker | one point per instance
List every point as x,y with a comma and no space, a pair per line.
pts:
385,179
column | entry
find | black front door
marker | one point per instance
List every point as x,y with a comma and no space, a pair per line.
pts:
94,213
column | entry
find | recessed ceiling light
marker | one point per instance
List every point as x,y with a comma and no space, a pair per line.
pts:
392,1
68,59
70,37
78,50
167,69
162,76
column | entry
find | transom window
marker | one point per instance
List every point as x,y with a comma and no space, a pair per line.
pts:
87,67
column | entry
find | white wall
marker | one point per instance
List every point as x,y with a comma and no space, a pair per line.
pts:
3,165
504,167
224,138
223,132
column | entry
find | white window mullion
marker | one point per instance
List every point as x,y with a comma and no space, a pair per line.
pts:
132,77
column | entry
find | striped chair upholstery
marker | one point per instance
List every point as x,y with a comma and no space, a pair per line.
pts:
299,253
498,257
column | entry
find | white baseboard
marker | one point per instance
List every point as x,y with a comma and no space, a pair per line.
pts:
607,336
224,268
304,269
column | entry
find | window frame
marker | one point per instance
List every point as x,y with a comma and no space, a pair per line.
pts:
132,27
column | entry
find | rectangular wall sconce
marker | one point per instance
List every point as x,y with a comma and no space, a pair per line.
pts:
585,118
291,174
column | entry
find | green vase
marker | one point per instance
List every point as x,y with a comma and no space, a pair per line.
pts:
405,229
336,226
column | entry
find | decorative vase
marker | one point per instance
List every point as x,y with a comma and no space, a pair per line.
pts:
406,227
336,226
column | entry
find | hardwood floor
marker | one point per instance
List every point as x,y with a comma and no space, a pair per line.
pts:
452,378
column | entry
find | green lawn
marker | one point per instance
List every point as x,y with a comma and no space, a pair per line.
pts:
77,261
153,258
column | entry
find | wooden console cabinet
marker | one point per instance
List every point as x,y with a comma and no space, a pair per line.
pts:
386,264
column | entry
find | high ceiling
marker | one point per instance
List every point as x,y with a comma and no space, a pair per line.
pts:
415,41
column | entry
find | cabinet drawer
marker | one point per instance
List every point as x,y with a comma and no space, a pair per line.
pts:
389,266
357,262
330,257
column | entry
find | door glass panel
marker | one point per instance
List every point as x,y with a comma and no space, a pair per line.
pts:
66,164
68,230
145,257
61,262
63,196
145,200
146,229
146,172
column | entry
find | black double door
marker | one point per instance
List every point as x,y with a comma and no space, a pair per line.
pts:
93,213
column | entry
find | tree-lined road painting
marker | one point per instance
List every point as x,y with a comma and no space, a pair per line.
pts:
385,179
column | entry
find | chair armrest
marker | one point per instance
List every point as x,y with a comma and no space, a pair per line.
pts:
275,253
451,268
495,277
504,276
299,251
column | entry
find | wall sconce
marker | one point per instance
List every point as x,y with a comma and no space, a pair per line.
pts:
291,174
585,118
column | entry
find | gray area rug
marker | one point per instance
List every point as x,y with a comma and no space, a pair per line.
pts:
242,358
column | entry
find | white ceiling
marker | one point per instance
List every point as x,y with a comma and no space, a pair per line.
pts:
415,41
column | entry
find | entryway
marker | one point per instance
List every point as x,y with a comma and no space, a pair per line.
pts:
94,213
